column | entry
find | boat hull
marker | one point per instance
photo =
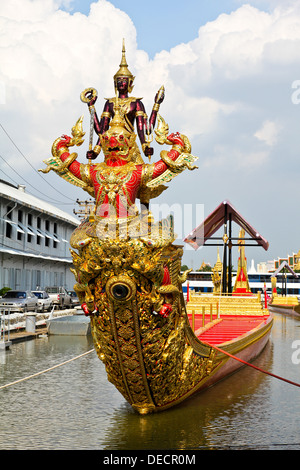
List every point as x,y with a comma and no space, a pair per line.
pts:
132,288
248,354
245,348
156,375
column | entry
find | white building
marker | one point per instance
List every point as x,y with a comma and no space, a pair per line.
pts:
34,241
266,266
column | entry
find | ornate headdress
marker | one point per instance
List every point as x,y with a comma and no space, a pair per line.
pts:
124,71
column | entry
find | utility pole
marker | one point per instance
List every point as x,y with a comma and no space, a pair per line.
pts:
85,208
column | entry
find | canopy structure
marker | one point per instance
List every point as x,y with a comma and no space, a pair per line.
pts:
283,265
224,215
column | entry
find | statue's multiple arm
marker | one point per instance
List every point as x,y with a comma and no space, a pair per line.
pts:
139,113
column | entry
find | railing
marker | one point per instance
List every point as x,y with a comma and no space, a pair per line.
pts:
4,324
210,308
223,294
203,315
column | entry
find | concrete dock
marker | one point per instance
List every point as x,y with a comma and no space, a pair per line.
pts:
16,336
26,329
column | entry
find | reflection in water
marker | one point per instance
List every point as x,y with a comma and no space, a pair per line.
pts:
75,407
197,423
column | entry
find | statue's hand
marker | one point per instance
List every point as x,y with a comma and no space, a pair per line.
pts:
92,101
148,151
91,98
91,155
176,139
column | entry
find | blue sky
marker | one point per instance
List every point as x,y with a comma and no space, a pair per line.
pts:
165,24
231,70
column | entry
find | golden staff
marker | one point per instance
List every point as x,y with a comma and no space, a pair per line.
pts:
86,96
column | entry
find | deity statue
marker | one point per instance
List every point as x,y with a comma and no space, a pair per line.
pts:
132,108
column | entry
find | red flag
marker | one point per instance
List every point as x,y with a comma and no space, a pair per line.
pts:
188,292
265,292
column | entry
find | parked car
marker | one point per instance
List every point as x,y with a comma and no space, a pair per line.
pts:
74,298
44,300
19,301
59,297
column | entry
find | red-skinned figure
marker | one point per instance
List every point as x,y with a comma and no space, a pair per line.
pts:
118,180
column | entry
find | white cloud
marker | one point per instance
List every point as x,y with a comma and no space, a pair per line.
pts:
227,90
268,133
48,57
236,160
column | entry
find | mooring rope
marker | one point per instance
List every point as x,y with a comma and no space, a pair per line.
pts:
252,365
46,370
208,344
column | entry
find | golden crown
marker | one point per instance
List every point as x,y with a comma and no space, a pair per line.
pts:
123,70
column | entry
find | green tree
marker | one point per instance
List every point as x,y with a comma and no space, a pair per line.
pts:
4,290
205,268
184,267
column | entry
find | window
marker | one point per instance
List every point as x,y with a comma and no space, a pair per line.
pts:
55,234
20,219
8,228
38,224
47,228
29,222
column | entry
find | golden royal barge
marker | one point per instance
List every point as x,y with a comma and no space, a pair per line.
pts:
128,269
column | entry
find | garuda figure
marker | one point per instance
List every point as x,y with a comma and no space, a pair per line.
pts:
126,267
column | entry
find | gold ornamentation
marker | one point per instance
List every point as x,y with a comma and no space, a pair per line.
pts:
97,149
142,351
105,114
217,275
88,94
161,131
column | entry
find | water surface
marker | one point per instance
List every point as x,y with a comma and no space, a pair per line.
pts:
75,407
